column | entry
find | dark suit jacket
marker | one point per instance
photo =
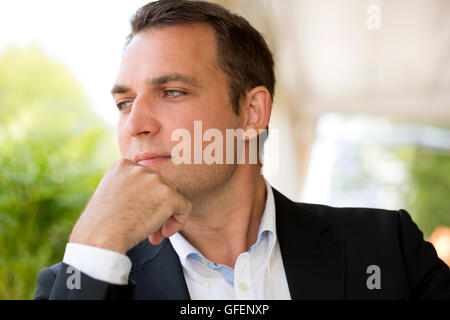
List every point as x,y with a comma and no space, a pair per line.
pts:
326,252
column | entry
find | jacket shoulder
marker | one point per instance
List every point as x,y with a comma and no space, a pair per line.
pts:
45,281
357,220
389,239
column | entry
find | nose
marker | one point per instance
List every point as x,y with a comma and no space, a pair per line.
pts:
141,120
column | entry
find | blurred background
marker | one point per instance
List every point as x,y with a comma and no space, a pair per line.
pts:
362,108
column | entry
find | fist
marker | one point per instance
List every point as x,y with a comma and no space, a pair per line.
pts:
131,203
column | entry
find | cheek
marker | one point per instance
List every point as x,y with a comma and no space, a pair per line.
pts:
181,118
219,113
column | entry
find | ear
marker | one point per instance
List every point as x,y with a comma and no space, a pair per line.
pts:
256,111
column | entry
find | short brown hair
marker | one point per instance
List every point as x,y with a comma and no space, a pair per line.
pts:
242,52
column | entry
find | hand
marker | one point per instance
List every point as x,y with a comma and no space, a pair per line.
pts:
131,203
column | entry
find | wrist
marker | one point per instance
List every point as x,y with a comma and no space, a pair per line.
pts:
98,263
104,242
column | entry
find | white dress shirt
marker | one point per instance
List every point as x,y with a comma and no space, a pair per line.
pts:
258,273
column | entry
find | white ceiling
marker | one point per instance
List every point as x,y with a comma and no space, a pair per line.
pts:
328,60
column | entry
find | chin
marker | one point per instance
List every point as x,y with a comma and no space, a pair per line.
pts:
197,181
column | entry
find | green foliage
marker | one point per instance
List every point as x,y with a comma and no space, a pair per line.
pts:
429,196
50,164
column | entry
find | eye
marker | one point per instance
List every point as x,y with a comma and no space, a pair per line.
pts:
123,105
174,93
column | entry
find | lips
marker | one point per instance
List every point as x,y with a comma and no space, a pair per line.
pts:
149,158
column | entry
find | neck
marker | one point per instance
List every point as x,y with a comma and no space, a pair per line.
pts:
225,224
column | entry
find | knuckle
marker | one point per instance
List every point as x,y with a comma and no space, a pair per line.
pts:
154,178
165,190
124,162
121,164
134,171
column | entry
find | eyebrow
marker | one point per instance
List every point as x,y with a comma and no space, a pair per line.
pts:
159,81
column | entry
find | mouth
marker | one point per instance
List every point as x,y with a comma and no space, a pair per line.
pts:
148,159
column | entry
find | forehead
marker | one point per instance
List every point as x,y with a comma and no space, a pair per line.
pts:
185,49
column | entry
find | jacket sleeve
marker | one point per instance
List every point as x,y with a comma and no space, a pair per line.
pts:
57,283
429,276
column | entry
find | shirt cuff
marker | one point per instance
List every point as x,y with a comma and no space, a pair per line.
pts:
98,263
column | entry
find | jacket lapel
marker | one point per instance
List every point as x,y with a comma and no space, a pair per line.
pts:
158,272
314,260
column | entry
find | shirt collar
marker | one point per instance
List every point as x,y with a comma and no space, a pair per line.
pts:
268,223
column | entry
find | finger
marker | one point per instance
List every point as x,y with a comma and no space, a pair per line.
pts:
163,179
183,208
180,213
178,219
156,237
169,183
149,170
171,227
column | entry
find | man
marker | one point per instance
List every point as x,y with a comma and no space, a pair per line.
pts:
158,230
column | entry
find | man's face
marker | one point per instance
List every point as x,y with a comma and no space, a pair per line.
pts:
169,78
